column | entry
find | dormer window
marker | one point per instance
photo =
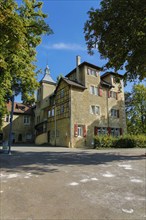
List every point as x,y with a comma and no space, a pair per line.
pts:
92,72
21,107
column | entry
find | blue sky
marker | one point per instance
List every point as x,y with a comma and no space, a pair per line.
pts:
59,50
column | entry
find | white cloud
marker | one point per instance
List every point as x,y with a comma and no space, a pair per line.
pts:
64,46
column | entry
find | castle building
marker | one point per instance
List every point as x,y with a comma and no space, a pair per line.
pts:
80,105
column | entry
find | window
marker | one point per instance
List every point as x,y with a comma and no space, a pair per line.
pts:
115,131
53,112
80,131
94,90
26,119
100,130
7,119
95,110
113,94
28,136
62,109
49,113
92,72
115,113
62,93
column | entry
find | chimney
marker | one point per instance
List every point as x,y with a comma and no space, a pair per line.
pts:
78,62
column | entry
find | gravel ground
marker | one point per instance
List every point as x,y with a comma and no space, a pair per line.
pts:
42,183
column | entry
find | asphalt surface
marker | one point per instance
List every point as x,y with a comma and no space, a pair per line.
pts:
43,183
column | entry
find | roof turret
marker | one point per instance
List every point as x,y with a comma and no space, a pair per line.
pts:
47,77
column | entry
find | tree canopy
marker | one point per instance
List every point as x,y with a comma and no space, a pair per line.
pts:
21,28
118,30
135,103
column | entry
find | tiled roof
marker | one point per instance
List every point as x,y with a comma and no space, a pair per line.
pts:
112,73
20,108
85,64
73,83
106,84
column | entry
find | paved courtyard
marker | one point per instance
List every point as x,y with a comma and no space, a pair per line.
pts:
42,183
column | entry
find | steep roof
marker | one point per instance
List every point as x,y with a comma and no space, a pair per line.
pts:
106,84
71,83
47,77
112,73
84,64
19,108
74,83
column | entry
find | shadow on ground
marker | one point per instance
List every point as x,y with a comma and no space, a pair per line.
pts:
42,162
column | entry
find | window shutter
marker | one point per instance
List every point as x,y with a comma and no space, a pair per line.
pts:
121,131
109,130
100,91
84,131
117,113
95,130
75,130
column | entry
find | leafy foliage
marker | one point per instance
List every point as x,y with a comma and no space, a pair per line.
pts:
21,30
135,103
118,28
126,141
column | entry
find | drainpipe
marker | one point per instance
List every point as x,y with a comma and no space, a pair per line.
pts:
55,124
70,118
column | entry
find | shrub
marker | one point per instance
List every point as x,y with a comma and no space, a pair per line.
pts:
104,141
125,141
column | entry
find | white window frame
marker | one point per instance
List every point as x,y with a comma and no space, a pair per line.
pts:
26,119
49,113
92,72
53,111
94,90
80,131
113,94
95,109
114,112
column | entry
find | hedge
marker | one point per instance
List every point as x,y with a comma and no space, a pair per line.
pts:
125,141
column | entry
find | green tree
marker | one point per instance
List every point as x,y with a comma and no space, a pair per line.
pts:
135,103
118,30
21,28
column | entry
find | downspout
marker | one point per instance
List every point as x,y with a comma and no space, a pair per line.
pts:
70,118
55,124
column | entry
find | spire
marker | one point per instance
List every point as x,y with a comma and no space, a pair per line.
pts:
47,77
47,70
